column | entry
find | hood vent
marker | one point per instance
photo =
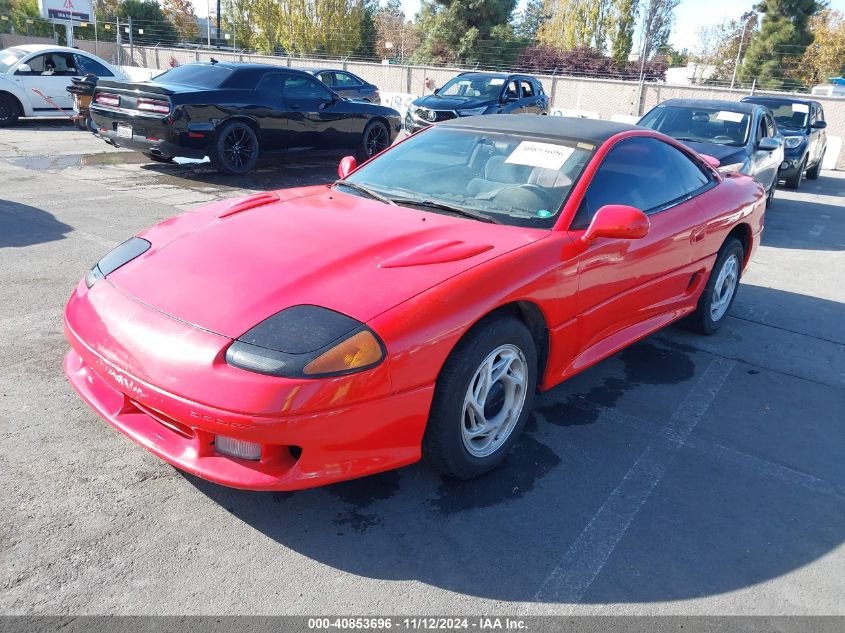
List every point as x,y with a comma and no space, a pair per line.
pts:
250,202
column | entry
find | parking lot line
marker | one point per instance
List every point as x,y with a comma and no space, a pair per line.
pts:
582,562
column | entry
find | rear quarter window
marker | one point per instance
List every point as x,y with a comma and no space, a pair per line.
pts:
196,75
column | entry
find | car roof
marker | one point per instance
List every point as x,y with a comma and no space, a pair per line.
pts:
721,104
775,99
594,131
37,48
478,73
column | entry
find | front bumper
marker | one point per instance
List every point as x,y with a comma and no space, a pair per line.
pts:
170,402
412,124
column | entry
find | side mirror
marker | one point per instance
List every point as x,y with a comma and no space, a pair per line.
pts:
436,91
768,144
619,221
819,125
346,166
23,69
711,160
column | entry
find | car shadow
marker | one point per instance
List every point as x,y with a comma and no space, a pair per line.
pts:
22,225
731,510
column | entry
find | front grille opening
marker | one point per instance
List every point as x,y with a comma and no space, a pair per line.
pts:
295,451
166,421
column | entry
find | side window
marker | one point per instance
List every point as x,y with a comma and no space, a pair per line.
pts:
326,78
539,89
512,91
641,173
344,80
86,65
527,89
305,89
761,129
274,83
37,64
59,65
770,125
693,177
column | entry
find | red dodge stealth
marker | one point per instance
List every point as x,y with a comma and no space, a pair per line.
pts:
300,337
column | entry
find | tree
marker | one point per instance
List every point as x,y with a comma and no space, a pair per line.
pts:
396,38
576,23
461,32
623,19
181,14
25,17
529,20
367,34
825,57
658,17
775,50
148,17
587,62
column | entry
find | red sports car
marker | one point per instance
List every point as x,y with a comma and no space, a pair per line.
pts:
300,337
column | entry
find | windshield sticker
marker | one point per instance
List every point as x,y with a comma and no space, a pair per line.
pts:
497,81
726,115
543,155
800,107
543,213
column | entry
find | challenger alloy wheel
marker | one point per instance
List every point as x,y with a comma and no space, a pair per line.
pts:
235,149
483,396
376,138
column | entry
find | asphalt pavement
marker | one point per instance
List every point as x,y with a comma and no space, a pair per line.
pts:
684,475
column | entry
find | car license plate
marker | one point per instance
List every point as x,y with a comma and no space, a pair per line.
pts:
124,131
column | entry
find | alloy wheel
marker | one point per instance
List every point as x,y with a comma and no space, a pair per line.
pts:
239,147
725,288
494,400
377,140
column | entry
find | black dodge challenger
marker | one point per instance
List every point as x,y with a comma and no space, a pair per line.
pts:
234,112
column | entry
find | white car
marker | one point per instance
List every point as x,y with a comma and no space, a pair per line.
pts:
27,70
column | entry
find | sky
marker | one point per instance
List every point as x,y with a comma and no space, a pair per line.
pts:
689,16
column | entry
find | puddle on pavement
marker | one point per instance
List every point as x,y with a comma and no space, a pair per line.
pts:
45,163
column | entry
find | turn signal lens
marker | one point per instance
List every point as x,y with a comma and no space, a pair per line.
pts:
356,352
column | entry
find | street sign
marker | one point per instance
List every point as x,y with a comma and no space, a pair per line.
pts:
67,10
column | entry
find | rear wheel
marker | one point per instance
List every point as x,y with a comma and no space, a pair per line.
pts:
234,150
793,182
813,173
719,293
10,110
482,399
375,139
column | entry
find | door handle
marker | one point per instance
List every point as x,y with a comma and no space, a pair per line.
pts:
698,234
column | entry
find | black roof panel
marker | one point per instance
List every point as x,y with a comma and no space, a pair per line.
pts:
592,130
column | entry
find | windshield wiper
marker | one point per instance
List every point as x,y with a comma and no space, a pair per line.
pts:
365,190
443,206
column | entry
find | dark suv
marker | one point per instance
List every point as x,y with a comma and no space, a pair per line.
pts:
801,121
474,93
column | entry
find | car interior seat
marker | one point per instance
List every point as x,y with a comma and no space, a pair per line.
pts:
498,174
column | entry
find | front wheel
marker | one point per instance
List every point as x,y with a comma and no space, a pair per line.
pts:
482,399
719,293
813,173
375,139
794,181
9,110
234,150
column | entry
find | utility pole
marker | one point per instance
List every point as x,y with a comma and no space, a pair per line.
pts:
208,20
746,18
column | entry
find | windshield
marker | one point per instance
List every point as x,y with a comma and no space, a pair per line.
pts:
9,57
791,115
704,125
511,178
199,75
473,87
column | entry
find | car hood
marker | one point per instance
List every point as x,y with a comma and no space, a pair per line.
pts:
726,154
229,266
436,102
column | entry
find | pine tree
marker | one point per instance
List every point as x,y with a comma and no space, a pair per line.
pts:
777,47
623,20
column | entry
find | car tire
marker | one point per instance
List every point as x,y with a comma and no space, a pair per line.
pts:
813,173
770,194
455,443
719,293
375,139
10,110
234,149
793,182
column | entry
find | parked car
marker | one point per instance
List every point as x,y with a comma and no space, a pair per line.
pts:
234,112
294,338
742,136
49,70
805,140
346,84
476,93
